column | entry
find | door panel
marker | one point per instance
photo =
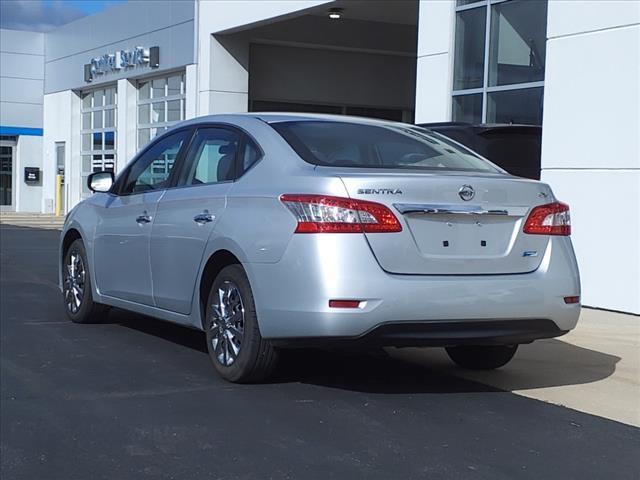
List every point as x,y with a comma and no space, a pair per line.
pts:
178,242
121,252
123,233
187,215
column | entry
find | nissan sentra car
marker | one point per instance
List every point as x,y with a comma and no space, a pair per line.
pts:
270,231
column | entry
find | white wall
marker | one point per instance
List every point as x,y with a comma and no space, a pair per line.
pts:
436,24
61,124
591,141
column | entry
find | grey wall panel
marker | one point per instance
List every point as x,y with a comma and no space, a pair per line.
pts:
18,41
20,114
308,75
21,78
21,66
176,50
115,24
20,90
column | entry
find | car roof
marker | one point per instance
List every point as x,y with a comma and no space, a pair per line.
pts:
278,117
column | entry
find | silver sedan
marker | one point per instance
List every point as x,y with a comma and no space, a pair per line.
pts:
268,231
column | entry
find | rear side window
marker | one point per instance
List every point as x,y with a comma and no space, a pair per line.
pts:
342,144
212,157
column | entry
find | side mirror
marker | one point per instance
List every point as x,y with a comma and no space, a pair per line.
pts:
100,181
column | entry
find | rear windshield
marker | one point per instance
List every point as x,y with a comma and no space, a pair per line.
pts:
343,144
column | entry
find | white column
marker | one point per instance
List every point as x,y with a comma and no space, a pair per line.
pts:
228,88
126,126
590,141
436,28
191,91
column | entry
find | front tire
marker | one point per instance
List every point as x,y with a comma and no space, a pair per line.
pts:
482,357
236,347
77,294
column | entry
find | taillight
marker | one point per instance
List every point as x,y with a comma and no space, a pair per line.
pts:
549,219
327,214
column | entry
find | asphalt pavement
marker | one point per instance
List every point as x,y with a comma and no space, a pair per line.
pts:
137,398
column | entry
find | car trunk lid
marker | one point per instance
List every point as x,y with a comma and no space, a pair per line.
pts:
456,224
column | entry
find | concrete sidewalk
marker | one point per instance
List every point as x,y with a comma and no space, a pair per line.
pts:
32,220
593,369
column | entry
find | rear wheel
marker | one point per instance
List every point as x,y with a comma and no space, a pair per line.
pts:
236,348
76,287
482,357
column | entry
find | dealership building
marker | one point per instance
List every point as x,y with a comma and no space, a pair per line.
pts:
87,95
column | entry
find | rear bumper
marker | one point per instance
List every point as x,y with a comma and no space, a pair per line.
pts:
442,334
292,297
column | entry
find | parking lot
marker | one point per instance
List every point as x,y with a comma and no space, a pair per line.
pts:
138,398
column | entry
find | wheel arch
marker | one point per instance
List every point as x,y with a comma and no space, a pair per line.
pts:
217,261
70,236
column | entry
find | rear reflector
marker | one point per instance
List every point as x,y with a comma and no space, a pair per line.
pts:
327,214
549,219
569,300
344,303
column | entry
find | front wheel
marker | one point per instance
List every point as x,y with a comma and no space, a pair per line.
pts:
482,357
236,348
76,287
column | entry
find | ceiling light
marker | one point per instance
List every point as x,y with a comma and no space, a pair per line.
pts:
335,13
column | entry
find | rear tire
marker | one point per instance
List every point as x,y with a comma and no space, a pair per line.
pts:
77,295
482,357
236,347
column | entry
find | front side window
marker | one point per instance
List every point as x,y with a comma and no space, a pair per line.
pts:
212,157
98,132
340,144
152,170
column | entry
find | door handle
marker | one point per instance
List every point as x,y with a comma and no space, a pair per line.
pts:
144,218
204,217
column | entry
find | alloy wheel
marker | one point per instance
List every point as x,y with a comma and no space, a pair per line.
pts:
74,282
227,323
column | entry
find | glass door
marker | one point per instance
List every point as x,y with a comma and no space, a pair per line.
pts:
6,177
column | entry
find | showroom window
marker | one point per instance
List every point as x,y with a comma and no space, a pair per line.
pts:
98,132
498,72
161,104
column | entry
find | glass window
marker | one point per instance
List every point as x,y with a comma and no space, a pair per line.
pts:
98,132
468,70
467,108
173,110
151,171
97,119
515,48
160,105
373,146
98,98
157,87
251,155
518,42
144,90
212,158
515,106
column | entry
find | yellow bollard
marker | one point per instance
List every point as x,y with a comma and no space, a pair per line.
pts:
58,195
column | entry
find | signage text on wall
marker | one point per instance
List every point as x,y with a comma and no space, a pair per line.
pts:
121,60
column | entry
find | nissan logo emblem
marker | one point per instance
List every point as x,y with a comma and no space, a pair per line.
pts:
466,192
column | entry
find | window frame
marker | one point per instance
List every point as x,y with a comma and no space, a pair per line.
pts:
245,137
103,130
164,100
485,89
187,163
121,182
